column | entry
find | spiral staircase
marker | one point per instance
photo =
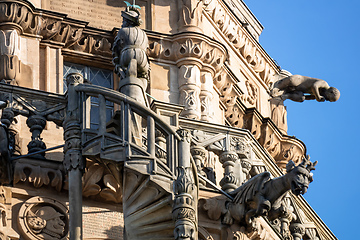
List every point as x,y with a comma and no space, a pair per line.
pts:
147,180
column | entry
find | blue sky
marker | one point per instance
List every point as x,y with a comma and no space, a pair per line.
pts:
321,39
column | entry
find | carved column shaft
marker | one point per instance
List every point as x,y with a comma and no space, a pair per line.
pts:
186,198
189,86
9,55
73,160
206,96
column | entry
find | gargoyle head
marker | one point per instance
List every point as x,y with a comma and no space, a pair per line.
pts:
300,176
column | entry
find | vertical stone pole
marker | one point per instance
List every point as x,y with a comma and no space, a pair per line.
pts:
206,96
186,193
74,163
9,54
297,231
189,86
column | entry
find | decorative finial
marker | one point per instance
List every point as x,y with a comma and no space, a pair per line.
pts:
133,5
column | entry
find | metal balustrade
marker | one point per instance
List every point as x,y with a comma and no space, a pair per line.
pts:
128,111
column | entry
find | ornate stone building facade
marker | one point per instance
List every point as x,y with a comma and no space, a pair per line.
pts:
148,120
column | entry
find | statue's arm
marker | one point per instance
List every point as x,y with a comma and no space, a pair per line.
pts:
316,90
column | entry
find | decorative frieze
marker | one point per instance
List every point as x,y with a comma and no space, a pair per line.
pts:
242,42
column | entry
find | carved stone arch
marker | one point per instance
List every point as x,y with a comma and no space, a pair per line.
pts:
204,234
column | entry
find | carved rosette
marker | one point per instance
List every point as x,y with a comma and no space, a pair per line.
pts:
229,182
43,218
185,206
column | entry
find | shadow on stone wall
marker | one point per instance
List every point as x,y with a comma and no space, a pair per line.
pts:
115,233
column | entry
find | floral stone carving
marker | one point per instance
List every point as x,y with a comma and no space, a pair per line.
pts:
43,218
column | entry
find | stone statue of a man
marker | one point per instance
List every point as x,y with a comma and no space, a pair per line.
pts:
299,88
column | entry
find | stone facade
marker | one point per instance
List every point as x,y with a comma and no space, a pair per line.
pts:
146,120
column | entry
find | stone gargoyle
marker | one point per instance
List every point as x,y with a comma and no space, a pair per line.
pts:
255,197
299,88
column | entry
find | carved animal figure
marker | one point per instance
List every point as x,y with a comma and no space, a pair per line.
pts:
255,197
299,88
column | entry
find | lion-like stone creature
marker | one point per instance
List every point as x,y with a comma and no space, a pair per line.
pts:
255,197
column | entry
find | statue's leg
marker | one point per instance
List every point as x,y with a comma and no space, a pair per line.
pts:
296,96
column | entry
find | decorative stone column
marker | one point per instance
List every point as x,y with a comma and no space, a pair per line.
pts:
229,182
9,54
74,163
189,87
206,96
186,198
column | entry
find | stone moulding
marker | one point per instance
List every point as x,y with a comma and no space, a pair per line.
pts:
192,48
241,41
279,145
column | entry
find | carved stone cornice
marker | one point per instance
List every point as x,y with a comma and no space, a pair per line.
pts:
54,28
39,174
241,41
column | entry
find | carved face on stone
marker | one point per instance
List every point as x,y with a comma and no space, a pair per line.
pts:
184,231
47,220
299,178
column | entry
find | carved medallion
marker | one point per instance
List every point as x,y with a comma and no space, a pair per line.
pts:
43,218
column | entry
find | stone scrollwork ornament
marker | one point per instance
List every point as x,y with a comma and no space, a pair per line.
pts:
43,218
